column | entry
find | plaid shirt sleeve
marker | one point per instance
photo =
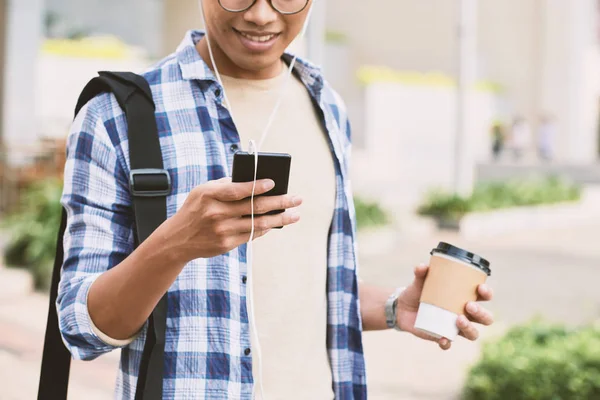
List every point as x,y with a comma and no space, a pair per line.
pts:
99,227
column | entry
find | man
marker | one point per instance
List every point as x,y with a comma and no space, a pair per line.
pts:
306,284
546,138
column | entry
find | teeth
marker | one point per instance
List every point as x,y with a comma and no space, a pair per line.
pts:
260,39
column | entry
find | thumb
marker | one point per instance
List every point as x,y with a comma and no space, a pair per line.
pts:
420,275
223,180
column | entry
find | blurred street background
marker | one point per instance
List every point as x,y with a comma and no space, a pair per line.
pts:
475,122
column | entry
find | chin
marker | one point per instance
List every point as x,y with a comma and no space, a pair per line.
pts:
257,62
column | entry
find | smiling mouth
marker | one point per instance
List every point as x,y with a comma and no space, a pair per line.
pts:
264,38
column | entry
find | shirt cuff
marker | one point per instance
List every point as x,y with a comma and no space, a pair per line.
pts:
103,336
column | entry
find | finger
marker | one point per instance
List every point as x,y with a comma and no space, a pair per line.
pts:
445,344
244,238
265,222
484,293
426,336
467,329
479,315
240,191
420,275
264,204
257,234
421,270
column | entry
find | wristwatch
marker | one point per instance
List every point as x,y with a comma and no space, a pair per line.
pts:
390,309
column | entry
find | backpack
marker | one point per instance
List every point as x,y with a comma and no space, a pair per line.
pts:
149,185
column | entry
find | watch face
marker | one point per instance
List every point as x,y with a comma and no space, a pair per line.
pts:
390,311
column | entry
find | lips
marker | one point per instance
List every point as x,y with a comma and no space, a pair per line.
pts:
258,38
257,41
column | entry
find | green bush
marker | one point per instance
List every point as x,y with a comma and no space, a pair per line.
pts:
33,231
499,195
538,361
369,214
445,205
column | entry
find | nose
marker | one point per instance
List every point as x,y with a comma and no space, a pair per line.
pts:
261,13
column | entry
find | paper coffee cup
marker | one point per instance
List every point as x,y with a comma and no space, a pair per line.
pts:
452,281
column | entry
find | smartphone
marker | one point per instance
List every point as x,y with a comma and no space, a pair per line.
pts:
274,166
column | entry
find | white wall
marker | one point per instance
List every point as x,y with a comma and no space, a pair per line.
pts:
570,78
509,46
580,138
60,80
3,39
410,134
179,16
22,46
540,51
403,34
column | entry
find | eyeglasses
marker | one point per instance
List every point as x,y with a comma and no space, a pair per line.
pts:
286,7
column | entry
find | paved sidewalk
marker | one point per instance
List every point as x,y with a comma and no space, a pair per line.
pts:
550,273
22,324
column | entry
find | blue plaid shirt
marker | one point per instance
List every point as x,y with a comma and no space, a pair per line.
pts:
207,322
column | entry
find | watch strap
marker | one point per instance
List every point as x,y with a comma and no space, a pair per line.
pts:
391,309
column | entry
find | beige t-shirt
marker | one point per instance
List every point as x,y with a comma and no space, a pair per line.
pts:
290,265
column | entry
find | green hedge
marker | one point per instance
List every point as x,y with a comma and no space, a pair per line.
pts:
499,195
33,231
538,361
369,214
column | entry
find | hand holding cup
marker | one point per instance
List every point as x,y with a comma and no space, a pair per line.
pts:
442,302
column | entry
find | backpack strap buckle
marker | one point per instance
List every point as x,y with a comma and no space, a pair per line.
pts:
149,182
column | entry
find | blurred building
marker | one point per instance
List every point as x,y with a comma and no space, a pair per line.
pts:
21,37
137,22
544,54
534,58
394,62
158,25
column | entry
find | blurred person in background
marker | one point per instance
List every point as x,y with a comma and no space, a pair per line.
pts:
546,138
307,290
520,138
498,139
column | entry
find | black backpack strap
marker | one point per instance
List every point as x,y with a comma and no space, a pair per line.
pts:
149,186
56,359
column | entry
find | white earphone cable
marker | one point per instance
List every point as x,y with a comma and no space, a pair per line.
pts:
254,149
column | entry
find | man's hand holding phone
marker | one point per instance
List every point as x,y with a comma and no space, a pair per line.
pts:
214,218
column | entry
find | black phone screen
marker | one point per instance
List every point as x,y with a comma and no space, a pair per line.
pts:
274,166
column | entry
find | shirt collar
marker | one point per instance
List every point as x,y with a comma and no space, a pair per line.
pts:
194,67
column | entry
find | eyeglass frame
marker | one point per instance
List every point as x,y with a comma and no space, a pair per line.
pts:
270,3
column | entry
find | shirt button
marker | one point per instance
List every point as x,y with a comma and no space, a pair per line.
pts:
247,352
234,148
218,92
244,279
